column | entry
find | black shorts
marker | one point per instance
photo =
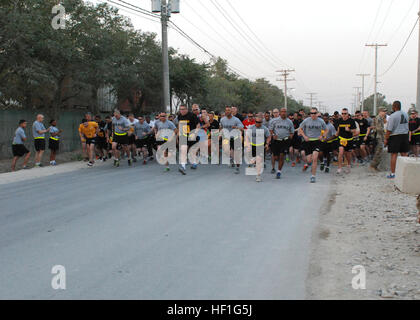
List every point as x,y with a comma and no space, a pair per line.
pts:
398,144
123,140
362,141
280,146
415,140
297,142
140,143
132,139
53,144
328,147
101,143
90,141
357,142
19,150
39,144
349,147
260,154
312,146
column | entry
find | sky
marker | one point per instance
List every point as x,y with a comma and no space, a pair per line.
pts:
324,41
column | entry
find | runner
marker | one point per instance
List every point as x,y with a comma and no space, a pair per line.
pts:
251,142
312,129
162,124
132,137
347,129
296,150
38,132
120,126
362,142
88,131
187,122
328,145
142,131
282,131
101,142
54,141
414,137
18,148
227,124
276,115
108,134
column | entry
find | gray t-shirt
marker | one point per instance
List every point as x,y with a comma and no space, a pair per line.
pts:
282,128
141,130
38,126
228,124
54,130
159,125
121,122
331,130
19,136
313,128
251,133
398,123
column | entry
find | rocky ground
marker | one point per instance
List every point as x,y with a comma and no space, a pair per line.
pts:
367,222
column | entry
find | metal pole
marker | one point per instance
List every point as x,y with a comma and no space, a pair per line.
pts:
418,74
375,98
363,75
165,57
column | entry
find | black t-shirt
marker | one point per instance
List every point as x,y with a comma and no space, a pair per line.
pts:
335,123
191,121
343,124
363,125
214,125
413,124
239,117
296,124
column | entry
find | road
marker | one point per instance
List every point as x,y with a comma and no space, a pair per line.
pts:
140,233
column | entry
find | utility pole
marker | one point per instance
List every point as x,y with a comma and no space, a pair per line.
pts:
320,107
357,96
363,75
418,74
312,94
285,74
166,8
375,97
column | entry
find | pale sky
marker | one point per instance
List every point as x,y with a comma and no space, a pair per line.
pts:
323,40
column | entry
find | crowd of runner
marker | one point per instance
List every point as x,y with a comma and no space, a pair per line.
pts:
295,138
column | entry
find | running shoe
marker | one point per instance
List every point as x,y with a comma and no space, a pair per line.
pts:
167,169
182,170
278,175
90,164
236,170
129,162
391,176
305,167
117,164
313,179
258,179
293,164
327,170
194,166
273,171
144,161
347,170
25,167
322,166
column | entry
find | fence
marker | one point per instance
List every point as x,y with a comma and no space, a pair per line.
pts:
68,121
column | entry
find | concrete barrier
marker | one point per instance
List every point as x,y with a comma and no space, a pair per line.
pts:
407,175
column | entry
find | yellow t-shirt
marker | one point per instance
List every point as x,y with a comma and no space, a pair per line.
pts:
90,130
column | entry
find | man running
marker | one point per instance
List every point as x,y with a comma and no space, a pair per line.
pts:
120,126
227,124
347,129
362,142
313,130
187,122
161,124
18,148
296,150
282,130
38,132
132,137
101,144
88,132
251,143
142,131
328,145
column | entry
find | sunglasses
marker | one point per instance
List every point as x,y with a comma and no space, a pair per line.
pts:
344,114
258,121
314,112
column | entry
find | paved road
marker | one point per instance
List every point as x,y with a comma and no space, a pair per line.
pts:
140,233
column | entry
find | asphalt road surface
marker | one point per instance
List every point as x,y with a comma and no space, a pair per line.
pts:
140,233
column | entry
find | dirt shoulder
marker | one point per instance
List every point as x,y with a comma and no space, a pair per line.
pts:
366,222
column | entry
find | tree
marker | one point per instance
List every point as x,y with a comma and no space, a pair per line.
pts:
368,103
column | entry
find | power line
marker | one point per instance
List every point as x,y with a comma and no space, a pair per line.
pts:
385,19
402,49
143,14
402,21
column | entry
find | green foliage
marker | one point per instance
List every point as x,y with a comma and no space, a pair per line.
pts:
368,105
42,67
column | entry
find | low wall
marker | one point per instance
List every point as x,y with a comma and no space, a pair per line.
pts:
68,121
